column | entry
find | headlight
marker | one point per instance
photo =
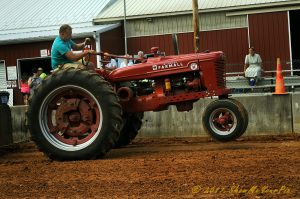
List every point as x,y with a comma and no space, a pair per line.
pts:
194,66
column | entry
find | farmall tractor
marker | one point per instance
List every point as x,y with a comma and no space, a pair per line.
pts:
80,114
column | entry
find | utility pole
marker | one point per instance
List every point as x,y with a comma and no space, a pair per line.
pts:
196,26
125,28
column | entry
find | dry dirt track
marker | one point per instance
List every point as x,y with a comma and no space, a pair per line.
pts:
187,168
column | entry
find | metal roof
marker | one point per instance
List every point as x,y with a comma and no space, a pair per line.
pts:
49,33
40,19
146,8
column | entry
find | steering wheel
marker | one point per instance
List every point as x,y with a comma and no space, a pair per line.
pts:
85,62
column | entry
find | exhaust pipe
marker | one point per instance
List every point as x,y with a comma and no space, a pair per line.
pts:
125,94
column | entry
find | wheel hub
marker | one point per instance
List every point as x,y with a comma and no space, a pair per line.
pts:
74,117
223,121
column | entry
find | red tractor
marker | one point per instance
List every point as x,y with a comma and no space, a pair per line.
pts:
79,114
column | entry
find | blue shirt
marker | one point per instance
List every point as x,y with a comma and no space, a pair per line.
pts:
58,51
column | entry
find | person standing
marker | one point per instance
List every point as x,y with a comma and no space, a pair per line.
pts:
109,63
34,81
140,58
41,73
126,61
25,90
253,67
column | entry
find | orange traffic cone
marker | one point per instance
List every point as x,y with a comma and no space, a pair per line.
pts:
279,87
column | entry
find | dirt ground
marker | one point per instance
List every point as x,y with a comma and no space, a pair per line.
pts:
165,168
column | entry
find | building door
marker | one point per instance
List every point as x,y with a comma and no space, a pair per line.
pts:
26,65
295,39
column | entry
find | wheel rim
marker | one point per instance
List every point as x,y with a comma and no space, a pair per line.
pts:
223,121
70,118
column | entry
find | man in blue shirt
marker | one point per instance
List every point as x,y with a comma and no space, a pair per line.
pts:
62,55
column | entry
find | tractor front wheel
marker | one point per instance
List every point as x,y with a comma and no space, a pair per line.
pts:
225,120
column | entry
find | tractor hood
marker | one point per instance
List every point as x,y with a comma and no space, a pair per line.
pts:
163,66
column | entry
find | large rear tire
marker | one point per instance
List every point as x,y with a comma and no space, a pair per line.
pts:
132,123
225,120
73,115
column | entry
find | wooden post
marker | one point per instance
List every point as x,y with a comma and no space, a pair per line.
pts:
196,26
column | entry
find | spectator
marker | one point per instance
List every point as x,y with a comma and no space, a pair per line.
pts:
34,81
253,67
126,62
62,55
25,90
140,58
109,63
41,73
154,52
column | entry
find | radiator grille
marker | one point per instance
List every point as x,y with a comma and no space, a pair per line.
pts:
220,70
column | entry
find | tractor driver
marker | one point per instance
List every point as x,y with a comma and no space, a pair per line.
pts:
62,55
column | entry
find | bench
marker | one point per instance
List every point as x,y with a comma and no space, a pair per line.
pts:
266,84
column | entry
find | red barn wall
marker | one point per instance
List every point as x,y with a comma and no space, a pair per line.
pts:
113,41
270,37
233,42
